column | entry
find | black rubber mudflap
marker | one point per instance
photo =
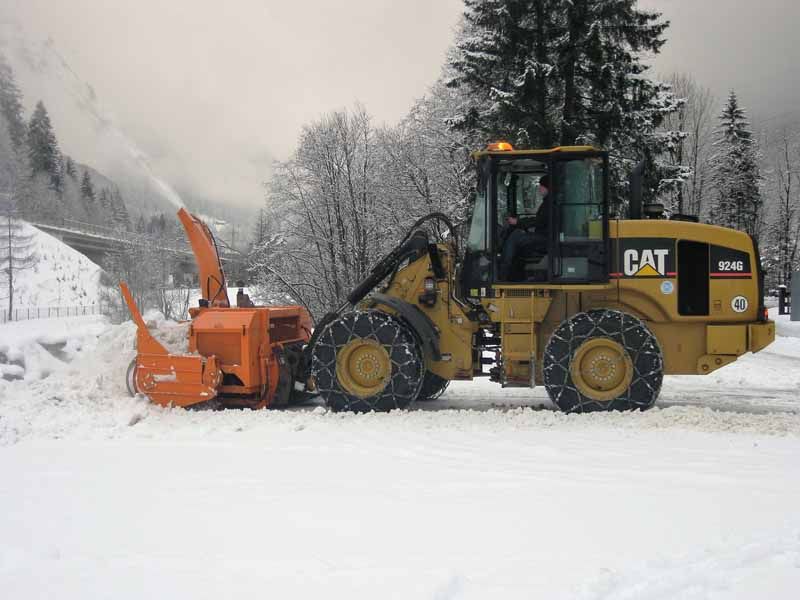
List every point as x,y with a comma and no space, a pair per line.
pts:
628,331
433,386
407,365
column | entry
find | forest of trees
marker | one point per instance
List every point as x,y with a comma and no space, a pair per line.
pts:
537,73
43,182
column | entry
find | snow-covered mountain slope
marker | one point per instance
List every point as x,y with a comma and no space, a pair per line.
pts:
61,277
485,493
86,129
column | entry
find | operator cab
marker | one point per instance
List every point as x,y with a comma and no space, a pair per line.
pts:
563,243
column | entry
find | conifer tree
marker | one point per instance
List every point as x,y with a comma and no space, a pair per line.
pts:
735,175
260,229
121,217
105,203
11,104
566,72
87,189
43,153
69,169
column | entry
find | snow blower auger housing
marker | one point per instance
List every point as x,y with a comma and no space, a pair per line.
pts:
243,356
549,289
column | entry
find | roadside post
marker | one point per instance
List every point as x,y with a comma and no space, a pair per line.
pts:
784,306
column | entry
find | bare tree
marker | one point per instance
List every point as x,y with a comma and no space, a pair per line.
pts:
426,163
146,270
332,221
17,248
695,118
784,229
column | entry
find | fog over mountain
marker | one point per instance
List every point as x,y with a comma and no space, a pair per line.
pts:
212,93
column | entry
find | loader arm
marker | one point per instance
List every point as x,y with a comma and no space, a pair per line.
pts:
212,278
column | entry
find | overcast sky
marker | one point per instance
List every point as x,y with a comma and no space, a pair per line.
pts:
213,91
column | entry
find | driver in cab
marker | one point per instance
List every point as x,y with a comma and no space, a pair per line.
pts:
516,241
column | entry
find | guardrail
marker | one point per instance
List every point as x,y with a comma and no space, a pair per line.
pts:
49,312
113,234
124,237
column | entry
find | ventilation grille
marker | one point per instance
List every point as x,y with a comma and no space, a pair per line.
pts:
518,293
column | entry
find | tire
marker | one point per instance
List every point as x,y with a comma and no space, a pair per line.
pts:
367,361
433,387
130,378
603,360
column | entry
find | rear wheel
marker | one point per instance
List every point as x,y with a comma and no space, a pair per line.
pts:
367,360
433,386
603,360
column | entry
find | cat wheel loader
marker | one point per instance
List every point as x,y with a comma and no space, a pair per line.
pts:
598,315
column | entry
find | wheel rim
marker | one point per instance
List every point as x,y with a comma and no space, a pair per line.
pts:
363,367
601,369
130,378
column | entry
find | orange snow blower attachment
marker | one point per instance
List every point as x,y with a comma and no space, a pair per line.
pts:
244,356
180,380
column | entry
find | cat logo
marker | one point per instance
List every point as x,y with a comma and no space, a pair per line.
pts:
645,263
643,257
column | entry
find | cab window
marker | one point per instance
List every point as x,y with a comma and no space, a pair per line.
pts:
580,199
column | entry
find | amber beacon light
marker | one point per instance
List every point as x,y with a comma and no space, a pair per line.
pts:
500,147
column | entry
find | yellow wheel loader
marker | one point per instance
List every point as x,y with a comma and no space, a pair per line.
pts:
595,308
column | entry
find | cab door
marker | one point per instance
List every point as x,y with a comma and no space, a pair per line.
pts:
476,271
579,220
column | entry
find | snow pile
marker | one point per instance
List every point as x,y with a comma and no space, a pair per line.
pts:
174,336
62,276
784,325
62,376
32,350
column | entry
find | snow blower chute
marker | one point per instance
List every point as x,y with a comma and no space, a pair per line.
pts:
244,356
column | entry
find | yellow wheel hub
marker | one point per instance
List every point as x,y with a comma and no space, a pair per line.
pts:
601,369
363,368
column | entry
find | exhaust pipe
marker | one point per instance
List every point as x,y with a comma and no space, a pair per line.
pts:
635,204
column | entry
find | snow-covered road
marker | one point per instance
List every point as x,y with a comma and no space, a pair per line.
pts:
484,493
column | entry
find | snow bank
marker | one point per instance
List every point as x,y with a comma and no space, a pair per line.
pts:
784,325
34,349
62,276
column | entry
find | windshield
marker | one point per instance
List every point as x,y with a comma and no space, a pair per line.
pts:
478,231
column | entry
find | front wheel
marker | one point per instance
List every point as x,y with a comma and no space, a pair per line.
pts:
603,360
365,361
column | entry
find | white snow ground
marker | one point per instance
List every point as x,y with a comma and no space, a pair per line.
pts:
486,493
